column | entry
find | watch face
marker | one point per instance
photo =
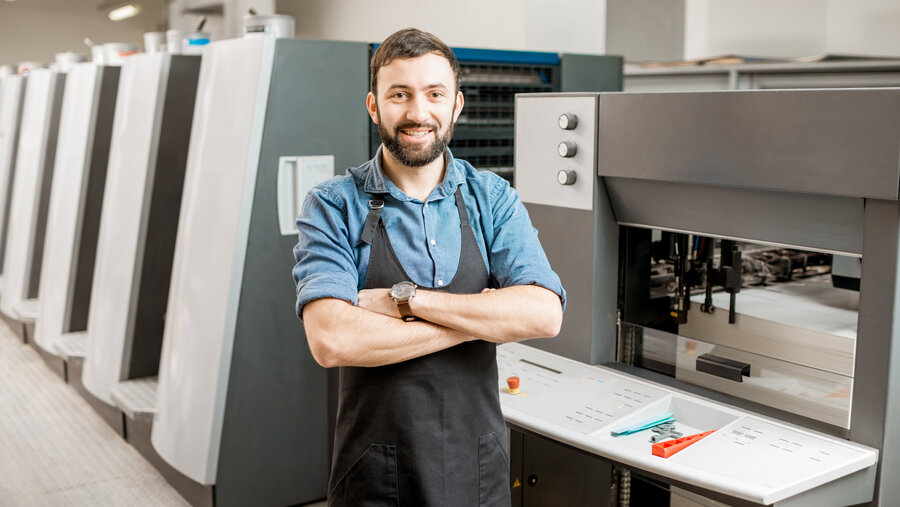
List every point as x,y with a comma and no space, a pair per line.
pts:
403,290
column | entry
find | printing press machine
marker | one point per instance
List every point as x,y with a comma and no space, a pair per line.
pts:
708,243
30,182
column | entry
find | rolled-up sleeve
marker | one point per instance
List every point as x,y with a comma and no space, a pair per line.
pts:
516,254
325,266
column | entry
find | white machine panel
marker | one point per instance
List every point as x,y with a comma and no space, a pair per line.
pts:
123,219
66,196
541,133
747,457
209,254
37,114
296,177
12,88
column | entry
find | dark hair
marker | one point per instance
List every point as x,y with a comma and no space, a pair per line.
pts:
409,43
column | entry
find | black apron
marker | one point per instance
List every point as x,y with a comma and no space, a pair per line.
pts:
428,431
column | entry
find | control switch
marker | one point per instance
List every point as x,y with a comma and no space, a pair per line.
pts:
567,121
567,149
566,177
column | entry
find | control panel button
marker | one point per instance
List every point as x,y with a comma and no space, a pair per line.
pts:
513,384
567,149
566,177
567,121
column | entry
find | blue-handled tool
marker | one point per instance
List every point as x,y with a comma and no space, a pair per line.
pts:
645,425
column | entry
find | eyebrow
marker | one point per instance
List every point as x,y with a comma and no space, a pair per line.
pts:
407,87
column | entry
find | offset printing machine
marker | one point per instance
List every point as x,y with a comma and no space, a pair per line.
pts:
137,225
73,216
29,200
12,87
728,191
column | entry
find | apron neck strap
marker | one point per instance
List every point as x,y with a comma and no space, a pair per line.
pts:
375,205
461,206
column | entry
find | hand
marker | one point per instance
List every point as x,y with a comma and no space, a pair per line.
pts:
378,301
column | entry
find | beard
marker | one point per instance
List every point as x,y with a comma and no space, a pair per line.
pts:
414,156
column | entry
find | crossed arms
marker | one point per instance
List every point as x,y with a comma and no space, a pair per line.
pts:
373,334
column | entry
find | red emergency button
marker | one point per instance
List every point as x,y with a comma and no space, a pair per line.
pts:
513,383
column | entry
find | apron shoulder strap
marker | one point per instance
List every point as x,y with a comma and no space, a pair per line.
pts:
372,219
461,206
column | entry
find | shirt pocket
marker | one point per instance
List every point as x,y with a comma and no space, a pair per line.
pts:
371,480
493,472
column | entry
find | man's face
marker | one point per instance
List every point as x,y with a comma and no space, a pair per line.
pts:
416,107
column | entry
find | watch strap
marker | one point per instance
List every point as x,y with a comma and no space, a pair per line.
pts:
405,311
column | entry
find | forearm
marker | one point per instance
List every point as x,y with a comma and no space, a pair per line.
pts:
505,315
341,334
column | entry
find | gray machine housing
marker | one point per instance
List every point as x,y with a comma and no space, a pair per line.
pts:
814,169
282,395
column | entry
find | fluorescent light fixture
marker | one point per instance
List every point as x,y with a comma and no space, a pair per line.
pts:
124,12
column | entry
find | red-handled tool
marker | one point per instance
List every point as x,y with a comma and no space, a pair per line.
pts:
671,447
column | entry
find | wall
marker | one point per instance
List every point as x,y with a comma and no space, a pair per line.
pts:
38,29
765,28
871,27
776,28
537,25
642,30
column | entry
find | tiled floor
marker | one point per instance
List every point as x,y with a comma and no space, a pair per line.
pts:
55,451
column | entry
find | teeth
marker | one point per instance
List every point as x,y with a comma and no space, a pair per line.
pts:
416,133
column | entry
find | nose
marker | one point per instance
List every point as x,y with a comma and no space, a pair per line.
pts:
418,110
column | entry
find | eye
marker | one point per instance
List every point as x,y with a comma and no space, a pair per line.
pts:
436,95
398,95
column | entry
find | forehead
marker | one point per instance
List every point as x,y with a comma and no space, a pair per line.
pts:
419,72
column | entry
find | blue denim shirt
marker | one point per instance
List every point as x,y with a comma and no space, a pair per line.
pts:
332,261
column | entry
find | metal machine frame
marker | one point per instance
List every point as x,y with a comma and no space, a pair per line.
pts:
814,169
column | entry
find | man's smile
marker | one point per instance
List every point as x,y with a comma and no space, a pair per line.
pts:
417,134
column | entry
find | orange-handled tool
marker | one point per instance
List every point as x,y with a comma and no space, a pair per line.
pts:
671,447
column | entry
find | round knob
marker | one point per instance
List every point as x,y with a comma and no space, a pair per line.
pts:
566,149
566,177
567,121
532,480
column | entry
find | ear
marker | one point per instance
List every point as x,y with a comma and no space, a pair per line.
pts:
372,107
458,107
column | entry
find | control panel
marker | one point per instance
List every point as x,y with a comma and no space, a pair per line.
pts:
556,149
630,420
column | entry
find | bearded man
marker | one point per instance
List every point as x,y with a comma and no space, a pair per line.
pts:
410,269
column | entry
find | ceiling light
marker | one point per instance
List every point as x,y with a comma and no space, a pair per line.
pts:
124,12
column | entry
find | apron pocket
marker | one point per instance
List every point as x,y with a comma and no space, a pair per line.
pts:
493,472
370,481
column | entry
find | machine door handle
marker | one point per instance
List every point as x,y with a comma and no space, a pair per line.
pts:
723,367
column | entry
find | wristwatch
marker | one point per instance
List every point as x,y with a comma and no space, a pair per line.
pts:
401,293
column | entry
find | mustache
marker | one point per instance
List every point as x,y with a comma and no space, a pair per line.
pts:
413,125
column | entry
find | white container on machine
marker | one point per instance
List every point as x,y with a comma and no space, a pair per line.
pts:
173,40
65,61
115,52
193,42
155,42
26,67
275,25
98,54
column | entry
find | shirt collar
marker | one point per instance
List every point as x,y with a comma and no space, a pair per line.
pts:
377,183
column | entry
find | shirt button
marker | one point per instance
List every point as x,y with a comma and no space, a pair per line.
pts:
432,242
440,282
426,205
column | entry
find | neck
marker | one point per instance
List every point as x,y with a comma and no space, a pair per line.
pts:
416,182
